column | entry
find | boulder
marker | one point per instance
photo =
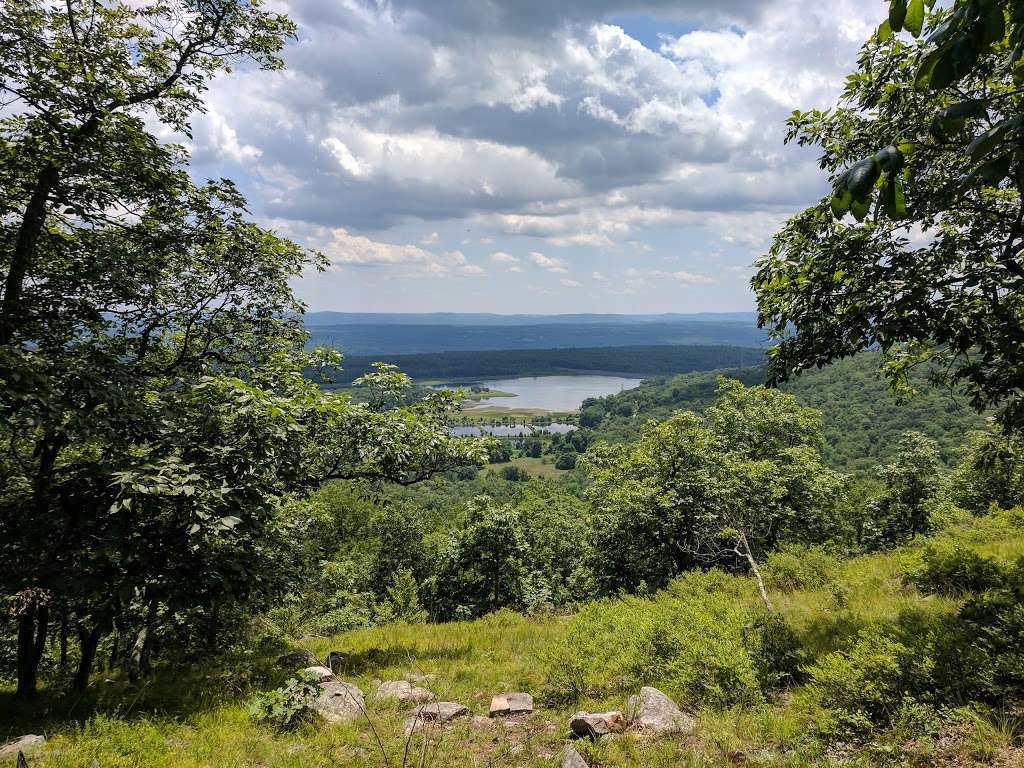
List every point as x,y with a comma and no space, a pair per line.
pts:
339,701
25,743
403,691
571,758
297,658
322,674
653,711
511,704
440,712
594,725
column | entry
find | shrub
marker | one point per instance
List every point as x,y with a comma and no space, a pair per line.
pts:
864,686
952,571
980,652
284,708
688,640
775,650
798,567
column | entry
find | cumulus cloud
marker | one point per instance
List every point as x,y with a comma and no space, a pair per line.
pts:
535,125
569,283
500,257
547,262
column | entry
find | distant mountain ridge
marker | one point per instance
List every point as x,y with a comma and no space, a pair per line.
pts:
324,318
398,334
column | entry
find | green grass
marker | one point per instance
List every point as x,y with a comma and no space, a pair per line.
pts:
537,467
196,715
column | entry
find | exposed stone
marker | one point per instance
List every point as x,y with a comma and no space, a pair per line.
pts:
511,704
479,721
323,674
297,658
571,758
594,725
339,701
21,744
403,691
653,711
441,711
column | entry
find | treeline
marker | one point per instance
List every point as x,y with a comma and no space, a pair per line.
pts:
861,420
639,361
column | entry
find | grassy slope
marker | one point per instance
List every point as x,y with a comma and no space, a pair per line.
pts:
197,717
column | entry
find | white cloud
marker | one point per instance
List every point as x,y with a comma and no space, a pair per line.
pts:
547,262
473,269
569,283
599,277
432,239
500,257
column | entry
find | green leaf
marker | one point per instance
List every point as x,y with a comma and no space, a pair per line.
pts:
230,521
859,209
897,13
987,141
914,19
884,32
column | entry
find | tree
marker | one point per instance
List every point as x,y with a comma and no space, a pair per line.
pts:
156,419
990,472
484,564
911,480
928,135
693,492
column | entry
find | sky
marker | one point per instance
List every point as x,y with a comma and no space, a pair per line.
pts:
541,156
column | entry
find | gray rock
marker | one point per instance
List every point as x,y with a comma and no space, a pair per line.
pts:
340,701
653,711
571,758
323,674
21,744
511,704
441,711
298,658
403,691
594,725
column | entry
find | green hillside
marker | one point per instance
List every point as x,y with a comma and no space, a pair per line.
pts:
862,421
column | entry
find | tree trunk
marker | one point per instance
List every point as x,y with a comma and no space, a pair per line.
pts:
63,637
137,662
42,629
88,640
114,646
746,553
24,250
28,664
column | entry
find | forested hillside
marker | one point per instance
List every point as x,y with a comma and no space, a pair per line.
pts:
642,361
862,420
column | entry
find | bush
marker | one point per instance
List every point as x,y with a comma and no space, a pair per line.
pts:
952,571
980,652
689,640
775,650
284,708
798,567
864,686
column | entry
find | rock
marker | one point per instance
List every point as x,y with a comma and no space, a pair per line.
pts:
594,725
441,711
403,691
479,721
339,701
653,711
511,704
571,758
298,658
421,677
323,674
21,744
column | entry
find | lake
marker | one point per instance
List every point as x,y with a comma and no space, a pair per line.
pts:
552,393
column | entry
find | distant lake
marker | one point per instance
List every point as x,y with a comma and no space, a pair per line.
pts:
518,430
553,393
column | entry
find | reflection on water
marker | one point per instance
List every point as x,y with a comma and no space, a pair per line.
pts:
562,394
515,430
